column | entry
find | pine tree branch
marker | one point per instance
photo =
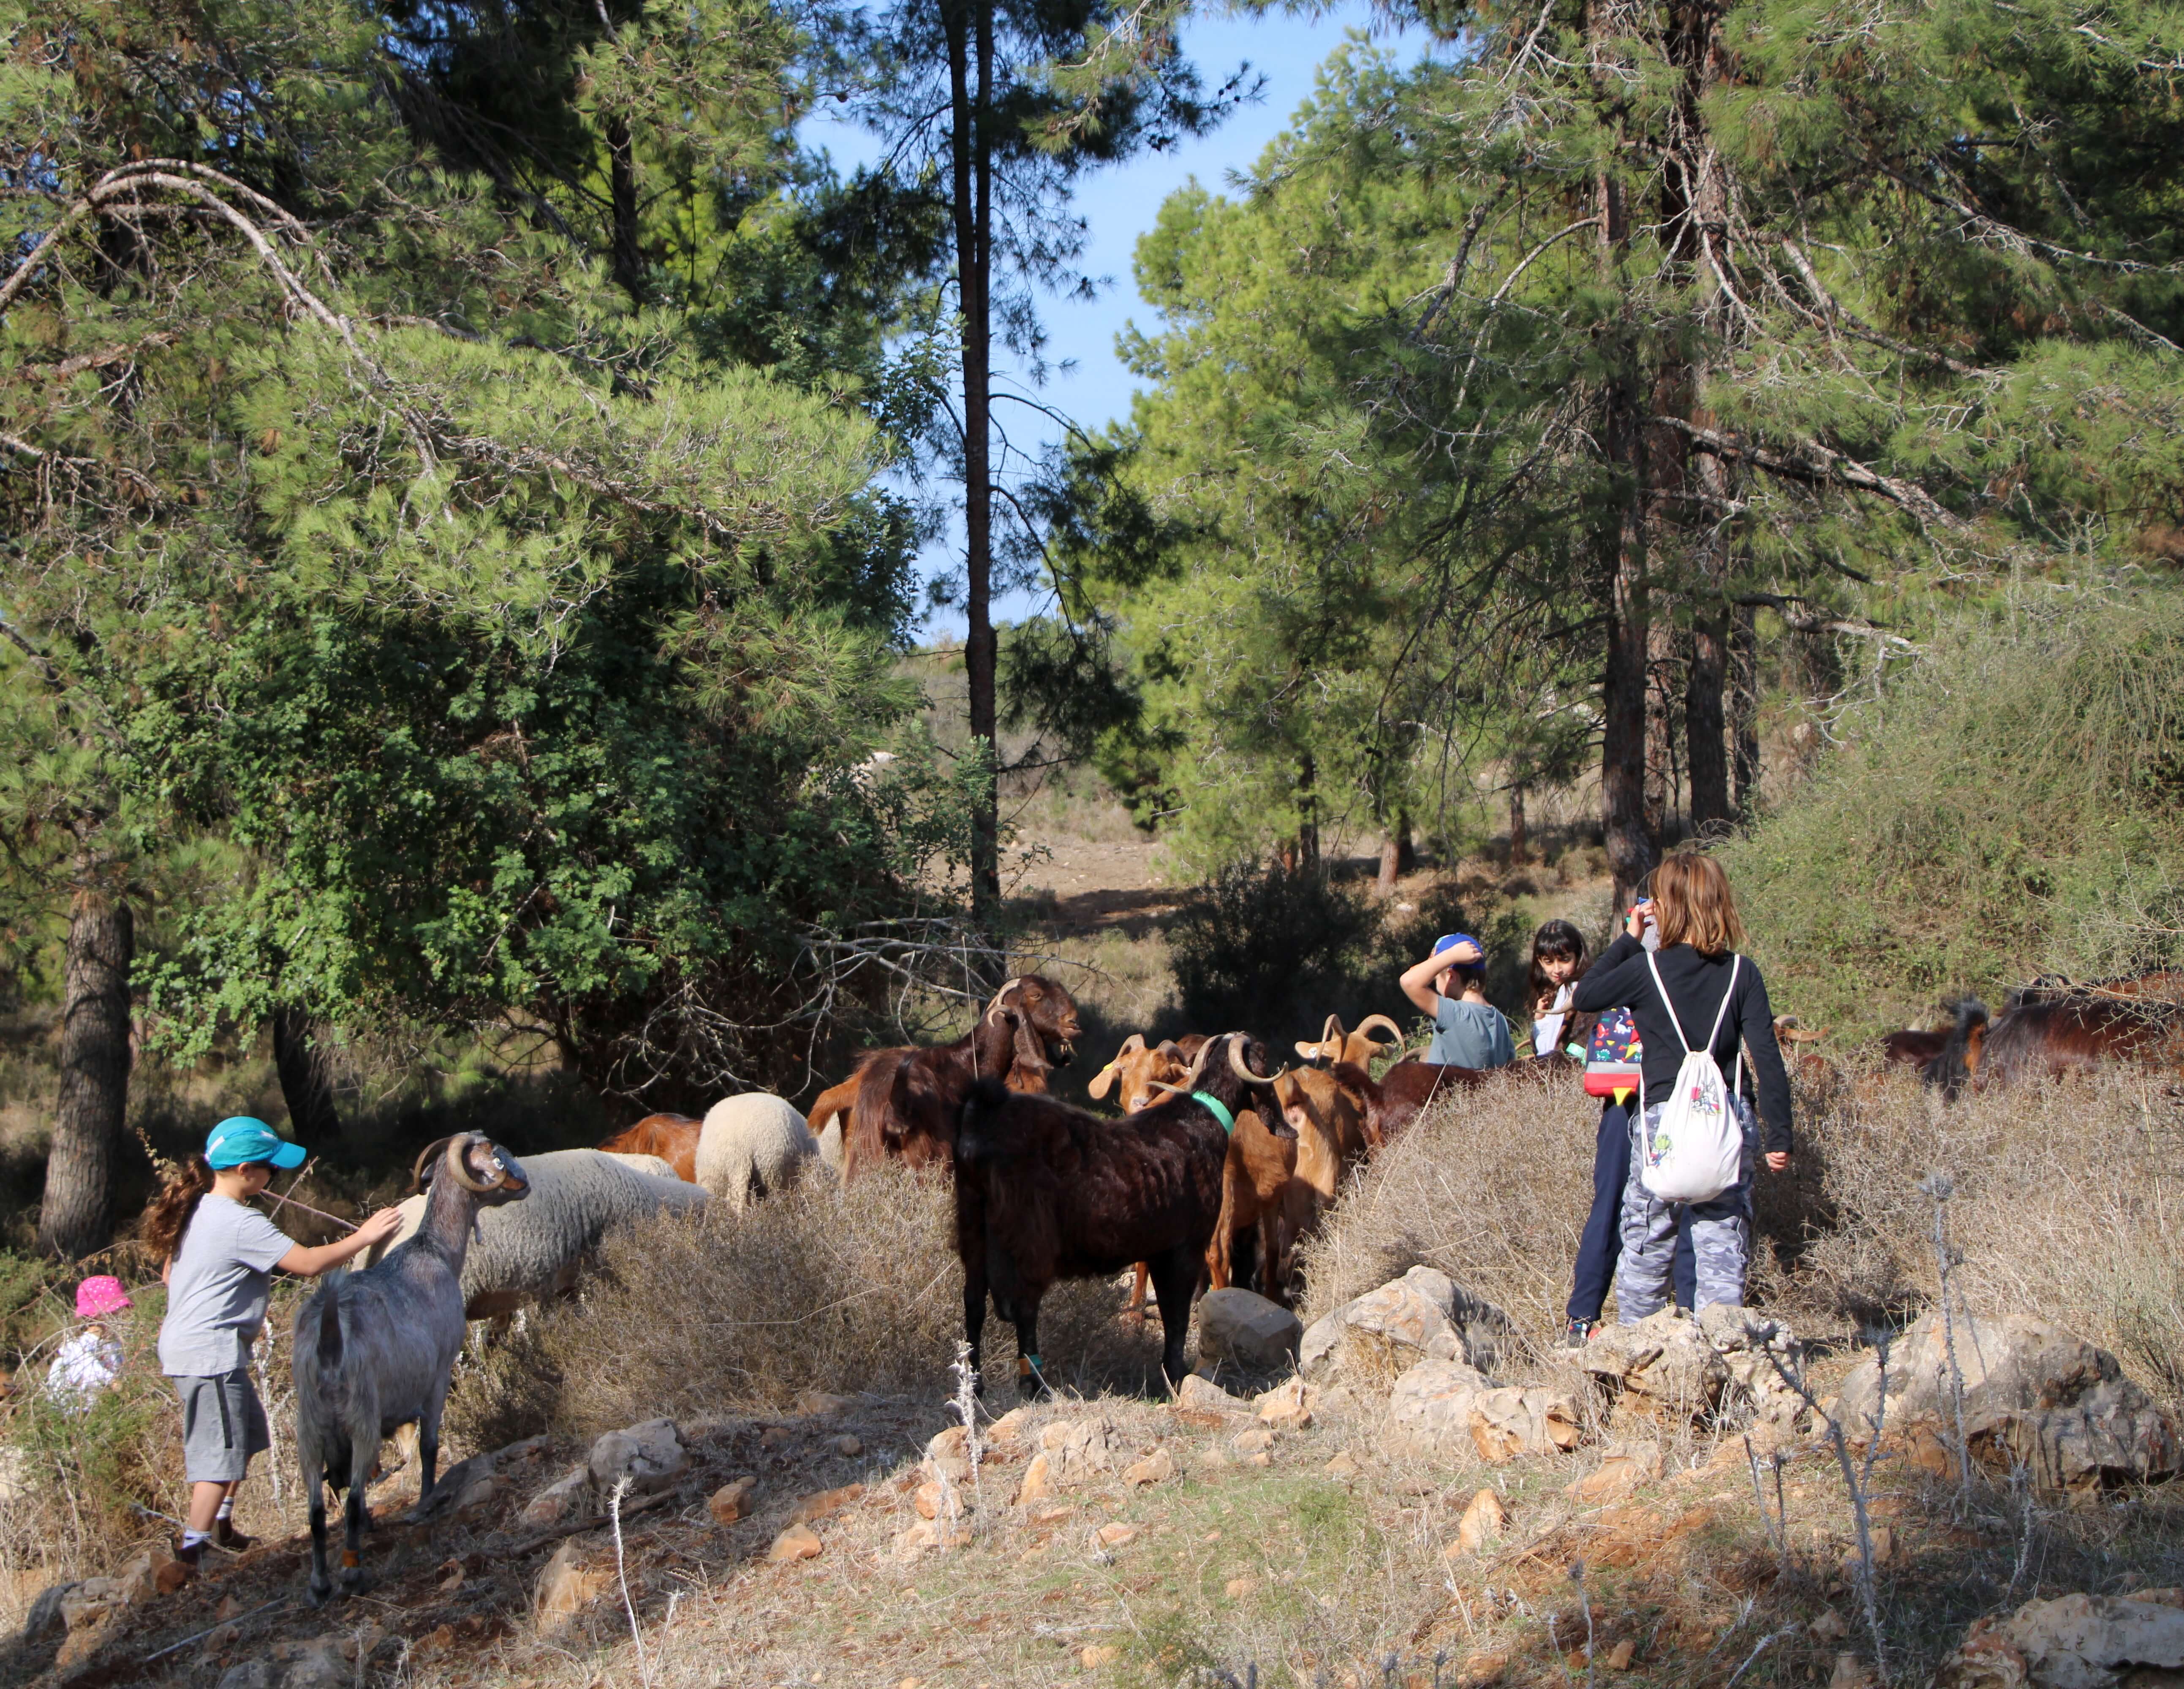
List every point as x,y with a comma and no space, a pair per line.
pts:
1816,464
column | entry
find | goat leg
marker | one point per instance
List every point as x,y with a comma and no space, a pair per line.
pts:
363,1454
1175,1277
315,1477
1138,1293
974,1319
1031,1381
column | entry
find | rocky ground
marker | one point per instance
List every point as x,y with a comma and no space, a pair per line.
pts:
1415,1500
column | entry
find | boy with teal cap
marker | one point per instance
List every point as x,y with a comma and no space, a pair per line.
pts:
220,1255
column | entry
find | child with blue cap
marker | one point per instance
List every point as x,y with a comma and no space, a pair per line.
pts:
219,1254
1450,986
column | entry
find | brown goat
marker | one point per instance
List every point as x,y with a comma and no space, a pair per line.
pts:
672,1137
1045,1192
1141,1074
1256,1183
1393,1101
1335,1045
907,1101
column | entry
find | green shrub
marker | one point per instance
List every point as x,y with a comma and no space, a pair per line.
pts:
1275,950
2008,808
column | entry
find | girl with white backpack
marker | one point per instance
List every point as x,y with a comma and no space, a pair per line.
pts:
1708,1035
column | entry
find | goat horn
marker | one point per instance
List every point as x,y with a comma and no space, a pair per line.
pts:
1132,1046
993,1007
425,1157
1236,1064
458,1164
1332,1030
1197,1068
1395,1032
1172,1090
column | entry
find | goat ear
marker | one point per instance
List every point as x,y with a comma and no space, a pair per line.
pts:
1103,1081
1030,1051
1171,1049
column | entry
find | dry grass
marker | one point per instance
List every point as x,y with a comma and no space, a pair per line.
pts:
2070,1203
845,1289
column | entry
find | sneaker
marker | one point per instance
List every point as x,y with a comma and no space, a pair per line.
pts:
226,1535
1577,1333
189,1556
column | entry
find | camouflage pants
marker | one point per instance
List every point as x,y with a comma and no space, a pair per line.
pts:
1721,1232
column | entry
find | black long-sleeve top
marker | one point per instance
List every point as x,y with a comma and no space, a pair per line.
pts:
1621,979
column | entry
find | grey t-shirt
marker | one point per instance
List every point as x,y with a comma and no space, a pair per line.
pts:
1470,1035
217,1290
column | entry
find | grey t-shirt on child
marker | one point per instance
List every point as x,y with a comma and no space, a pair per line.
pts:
1470,1035
217,1291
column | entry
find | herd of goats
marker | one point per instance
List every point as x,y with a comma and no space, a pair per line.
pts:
1215,1148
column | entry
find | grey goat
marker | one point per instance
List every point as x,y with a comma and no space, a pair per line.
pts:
376,1349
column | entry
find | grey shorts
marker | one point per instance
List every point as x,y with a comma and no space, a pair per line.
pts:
223,1425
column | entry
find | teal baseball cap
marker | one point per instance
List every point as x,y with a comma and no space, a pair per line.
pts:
240,1138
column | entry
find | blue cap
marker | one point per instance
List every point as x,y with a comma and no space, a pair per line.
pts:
239,1139
1449,941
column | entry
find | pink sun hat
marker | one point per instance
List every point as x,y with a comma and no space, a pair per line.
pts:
97,1297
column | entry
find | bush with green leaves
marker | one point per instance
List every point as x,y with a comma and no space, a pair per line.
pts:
2007,809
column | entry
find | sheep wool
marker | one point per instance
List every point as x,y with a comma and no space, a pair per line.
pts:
752,1145
830,1146
533,1249
650,1164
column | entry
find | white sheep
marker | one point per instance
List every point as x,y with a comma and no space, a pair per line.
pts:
830,1146
652,1165
752,1145
536,1249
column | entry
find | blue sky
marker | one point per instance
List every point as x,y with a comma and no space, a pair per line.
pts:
1120,204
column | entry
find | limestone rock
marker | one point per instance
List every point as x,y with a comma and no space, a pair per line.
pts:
1156,1467
798,1542
2075,1641
931,1534
1038,1480
949,1453
1093,1655
1670,1369
818,1404
91,1603
1343,1466
1077,1451
563,1499
825,1504
849,1447
1118,1534
1203,1395
733,1501
318,1664
566,1587
251,1674
1009,1428
1424,1313
2034,1395
1243,1329
1482,1522
651,1456
1620,1471
1287,1406
1448,1406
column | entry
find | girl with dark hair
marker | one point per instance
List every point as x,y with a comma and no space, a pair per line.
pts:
219,1255
1557,965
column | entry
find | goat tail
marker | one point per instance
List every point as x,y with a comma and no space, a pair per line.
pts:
1958,1061
330,1330
976,1139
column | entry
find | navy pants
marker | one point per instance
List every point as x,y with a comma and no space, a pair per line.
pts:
1601,1244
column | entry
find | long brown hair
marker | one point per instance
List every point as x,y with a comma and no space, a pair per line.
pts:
1691,901
167,1215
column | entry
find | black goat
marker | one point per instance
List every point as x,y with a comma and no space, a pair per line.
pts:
376,1349
1046,1191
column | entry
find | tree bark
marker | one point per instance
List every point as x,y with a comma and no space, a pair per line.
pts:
1397,856
77,1214
1621,538
1520,836
1744,706
970,161
626,256
307,1084
1660,715
1703,724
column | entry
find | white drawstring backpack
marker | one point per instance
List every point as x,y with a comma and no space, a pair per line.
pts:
1695,1146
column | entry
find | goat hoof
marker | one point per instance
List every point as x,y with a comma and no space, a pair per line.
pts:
318,1595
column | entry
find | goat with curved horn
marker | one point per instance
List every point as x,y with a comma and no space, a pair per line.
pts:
449,1150
1236,1064
1371,1021
994,1009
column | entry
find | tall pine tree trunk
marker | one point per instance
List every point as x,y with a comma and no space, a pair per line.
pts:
1744,706
1702,723
1621,538
1520,835
77,1213
970,161
626,255
307,1085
